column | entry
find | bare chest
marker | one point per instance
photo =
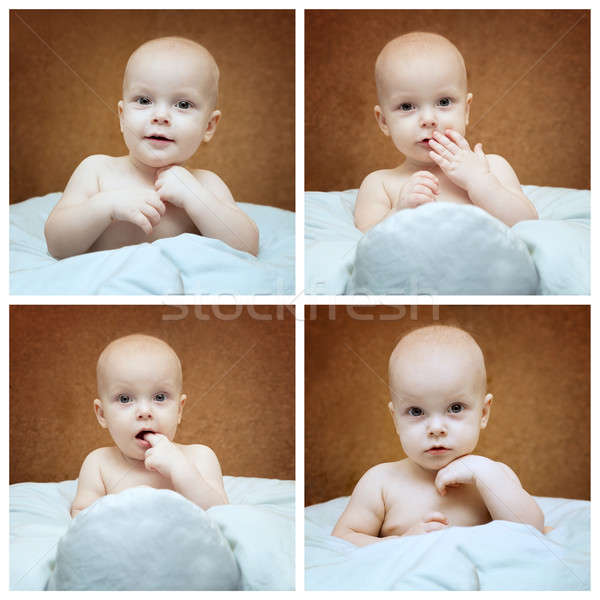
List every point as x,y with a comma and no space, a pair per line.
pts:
449,192
407,504
119,477
123,233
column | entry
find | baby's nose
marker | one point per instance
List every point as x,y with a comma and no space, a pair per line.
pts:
428,119
437,427
144,410
161,115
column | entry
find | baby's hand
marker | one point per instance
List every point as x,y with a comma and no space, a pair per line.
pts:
459,472
420,188
141,207
176,185
431,522
163,456
454,156
452,153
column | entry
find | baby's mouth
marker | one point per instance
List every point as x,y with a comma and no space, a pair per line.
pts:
161,138
140,435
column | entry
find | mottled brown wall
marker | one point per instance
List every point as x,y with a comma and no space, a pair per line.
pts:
238,375
66,69
538,366
529,72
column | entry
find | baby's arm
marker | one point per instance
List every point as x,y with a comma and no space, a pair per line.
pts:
210,205
500,193
193,470
84,212
90,486
200,480
488,179
498,485
373,204
361,522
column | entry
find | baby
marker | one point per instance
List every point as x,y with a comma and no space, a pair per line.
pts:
168,109
140,403
424,107
439,405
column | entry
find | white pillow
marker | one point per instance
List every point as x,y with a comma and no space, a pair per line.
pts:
442,248
118,543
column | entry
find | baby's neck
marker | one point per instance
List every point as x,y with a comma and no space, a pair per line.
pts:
421,472
146,172
408,167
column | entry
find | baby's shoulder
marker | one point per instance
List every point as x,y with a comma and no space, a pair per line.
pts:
98,458
384,472
383,177
100,161
198,452
213,182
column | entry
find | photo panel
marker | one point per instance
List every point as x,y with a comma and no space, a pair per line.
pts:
536,368
90,383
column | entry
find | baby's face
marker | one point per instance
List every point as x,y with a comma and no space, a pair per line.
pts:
168,93
438,405
139,389
420,93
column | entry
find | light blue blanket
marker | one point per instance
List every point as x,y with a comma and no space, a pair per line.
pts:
500,555
449,249
186,264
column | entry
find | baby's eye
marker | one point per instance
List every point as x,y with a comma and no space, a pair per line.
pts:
143,100
445,102
160,397
456,407
184,104
415,411
406,106
124,398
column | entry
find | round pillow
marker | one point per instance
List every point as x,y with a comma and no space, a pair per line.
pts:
442,248
144,539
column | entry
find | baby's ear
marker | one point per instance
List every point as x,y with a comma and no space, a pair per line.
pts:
380,118
468,107
120,112
99,412
182,400
215,117
485,411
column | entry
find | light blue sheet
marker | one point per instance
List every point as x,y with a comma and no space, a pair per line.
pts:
186,264
558,243
500,555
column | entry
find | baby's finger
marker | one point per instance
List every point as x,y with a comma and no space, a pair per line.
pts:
139,219
151,213
421,188
426,185
459,139
157,203
153,438
418,199
433,526
440,160
435,516
446,142
427,174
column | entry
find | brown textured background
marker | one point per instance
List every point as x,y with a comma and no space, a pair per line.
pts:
60,113
541,125
238,375
538,367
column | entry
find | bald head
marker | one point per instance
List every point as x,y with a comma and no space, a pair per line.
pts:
174,51
434,348
136,346
421,50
